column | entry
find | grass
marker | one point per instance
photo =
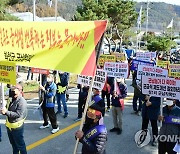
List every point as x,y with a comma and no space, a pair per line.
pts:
30,86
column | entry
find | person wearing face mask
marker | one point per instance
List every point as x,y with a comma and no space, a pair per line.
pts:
150,112
16,112
170,127
48,104
93,135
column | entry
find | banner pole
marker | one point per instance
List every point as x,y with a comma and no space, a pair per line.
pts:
99,45
3,104
161,111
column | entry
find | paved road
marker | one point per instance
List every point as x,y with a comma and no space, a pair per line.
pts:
42,142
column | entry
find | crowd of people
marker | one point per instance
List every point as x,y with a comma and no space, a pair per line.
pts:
93,136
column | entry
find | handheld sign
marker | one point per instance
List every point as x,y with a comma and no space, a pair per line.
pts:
39,71
161,87
151,71
99,80
119,70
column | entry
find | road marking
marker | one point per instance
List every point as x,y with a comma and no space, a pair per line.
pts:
50,137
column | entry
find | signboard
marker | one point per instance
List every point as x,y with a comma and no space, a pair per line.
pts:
40,71
99,81
162,64
106,58
8,72
135,64
161,87
120,57
146,56
151,71
174,70
119,70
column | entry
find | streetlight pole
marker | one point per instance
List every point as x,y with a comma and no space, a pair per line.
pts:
34,10
56,10
147,14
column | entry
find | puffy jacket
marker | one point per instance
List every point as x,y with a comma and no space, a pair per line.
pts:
151,112
17,110
122,88
168,128
50,92
95,145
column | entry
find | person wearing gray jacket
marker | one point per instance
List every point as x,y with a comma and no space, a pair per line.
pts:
16,112
169,133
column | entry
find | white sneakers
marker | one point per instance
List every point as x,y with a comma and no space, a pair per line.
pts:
43,127
47,126
55,130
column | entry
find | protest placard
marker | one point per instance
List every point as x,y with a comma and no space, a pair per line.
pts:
162,64
106,58
151,71
40,71
174,70
99,80
161,87
135,64
119,70
145,56
120,57
7,72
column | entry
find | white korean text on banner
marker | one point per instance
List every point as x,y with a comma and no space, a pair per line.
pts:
151,71
119,70
161,87
99,80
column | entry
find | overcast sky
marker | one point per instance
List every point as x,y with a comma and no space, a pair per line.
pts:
176,2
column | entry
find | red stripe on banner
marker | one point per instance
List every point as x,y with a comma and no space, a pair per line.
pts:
89,69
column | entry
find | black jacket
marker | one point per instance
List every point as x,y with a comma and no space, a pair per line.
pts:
95,145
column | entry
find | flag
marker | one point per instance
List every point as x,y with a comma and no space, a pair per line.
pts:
50,3
170,24
139,17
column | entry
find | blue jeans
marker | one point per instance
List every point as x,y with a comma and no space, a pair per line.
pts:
62,98
16,139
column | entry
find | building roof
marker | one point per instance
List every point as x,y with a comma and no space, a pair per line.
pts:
28,16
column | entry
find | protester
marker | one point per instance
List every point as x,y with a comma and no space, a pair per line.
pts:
93,135
29,72
98,100
48,104
170,127
16,112
83,93
150,111
137,95
61,93
118,95
106,93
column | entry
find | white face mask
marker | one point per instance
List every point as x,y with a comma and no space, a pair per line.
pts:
49,80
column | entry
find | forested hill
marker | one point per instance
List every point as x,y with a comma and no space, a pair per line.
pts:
160,14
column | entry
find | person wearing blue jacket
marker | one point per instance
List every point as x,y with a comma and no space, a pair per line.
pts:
48,104
150,112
